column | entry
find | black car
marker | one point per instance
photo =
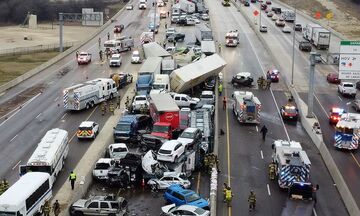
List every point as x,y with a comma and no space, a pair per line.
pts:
276,10
298,27
149,141
263,6
246,4
305,46
357,85
242,79
209,84
253,1
176,37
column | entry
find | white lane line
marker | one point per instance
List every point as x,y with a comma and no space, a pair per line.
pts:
56,98
64,116
268,188
339,98
315,214
13,137
38,116
18,109
262,155
257,129
16,165
51,82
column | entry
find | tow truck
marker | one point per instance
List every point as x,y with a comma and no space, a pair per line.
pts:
335,115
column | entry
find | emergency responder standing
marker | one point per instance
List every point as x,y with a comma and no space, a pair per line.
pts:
268,83
264,131
46,208
211,163
224,103
72,179
206,163
111,108
101,55
108,53
103,108
272,170
118,101
219,47
56,208
165,25
77,54
252,200
224,192
220,89
260,82
99,40
4,185
228,196
108,35
127,102
217,162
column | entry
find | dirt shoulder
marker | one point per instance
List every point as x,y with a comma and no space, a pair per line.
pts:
346,16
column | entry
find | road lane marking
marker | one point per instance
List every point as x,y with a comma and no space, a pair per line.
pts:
92,112
56,98
257,129
18,109
353,156
268,188
16,165
198,183
38,115
262,155
314,211
14,137
64,116
339,98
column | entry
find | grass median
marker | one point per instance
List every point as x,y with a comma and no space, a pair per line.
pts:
13,66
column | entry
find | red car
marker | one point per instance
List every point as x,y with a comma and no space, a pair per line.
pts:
289,112
263,6
333,78
268,2
273,75
335,115
118,28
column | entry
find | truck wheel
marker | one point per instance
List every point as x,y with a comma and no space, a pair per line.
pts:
87,106
92,104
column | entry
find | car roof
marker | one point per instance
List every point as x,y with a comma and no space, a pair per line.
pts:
86,124
169,145
178,188
118,145
104,160
187,207
189,129
245,74
207,93
115,55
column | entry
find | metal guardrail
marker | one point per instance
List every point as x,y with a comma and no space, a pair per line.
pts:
34,49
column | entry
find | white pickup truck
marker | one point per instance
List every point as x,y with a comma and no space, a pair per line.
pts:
183,100
347,88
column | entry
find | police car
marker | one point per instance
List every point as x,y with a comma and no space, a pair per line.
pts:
88,130
273,75
289,112
335,115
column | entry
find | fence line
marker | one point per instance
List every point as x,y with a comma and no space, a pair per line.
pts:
33,49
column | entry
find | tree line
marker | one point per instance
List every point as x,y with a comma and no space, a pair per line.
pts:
15,11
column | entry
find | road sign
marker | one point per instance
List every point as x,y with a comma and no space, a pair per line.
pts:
349,62
329,15
256,12
317,15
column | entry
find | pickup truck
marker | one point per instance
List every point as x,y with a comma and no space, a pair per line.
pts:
183,100
100,205
347,88
139,100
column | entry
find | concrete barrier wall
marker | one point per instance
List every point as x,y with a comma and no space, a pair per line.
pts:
307,123
57,58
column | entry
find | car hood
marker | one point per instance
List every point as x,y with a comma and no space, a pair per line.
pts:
167,208
200,203
185,141
80,203
148,161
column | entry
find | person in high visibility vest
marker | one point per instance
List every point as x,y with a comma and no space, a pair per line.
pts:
111,108
72,179
220,89
252,200
228,196
103,108
272,168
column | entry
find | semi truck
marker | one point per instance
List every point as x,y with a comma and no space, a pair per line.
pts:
203,33
193,74
208,47
88,94
186,6
146,74
168,65
317,35
288,15
165,115
301,200
246,107
161,84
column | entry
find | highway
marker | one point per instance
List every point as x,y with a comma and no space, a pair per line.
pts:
243,154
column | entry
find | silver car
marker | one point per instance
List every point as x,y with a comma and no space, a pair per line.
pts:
169,179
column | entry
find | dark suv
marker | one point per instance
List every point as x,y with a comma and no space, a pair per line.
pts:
176,37
305,46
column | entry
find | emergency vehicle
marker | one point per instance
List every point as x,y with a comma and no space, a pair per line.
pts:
347,131
50,154
119,45
335,115
292,163
88,94
232,38
84,58
246,107
289,112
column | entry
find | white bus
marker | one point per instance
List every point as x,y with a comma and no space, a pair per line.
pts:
50,154
27,195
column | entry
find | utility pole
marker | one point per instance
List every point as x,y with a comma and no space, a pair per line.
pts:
260,15
293,53
61,23
155,4
310,113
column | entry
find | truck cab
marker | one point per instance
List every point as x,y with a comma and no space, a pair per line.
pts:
144,82
130,127
161,83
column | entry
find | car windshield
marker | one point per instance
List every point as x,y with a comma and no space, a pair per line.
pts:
344,130
101,166
158,86
163,151
2,213
140,98
291,110
85,128
187,135
193,197
115,58
136,55
349,85
161,128
109,45
207,96
83,55
119,149
122,127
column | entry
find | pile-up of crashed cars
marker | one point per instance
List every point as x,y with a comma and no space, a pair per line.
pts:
160,143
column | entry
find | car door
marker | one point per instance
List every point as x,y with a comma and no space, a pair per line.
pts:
184,101
177,100
179,149
95,127
178,199
104,208
166,182
93,208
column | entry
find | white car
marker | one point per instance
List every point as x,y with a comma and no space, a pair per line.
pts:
263,28
84,58
197,21
184,210
208,97
280,22
190,137
170,31
160,3
88,130
129,7
183,100
274,17
347,88
286,29
115,60
270,14
135,57
170,151
101,169
205,17
168,179
139,100
118,150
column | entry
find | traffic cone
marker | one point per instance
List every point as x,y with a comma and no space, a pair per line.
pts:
143,183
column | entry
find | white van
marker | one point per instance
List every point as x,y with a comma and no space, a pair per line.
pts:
135,58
